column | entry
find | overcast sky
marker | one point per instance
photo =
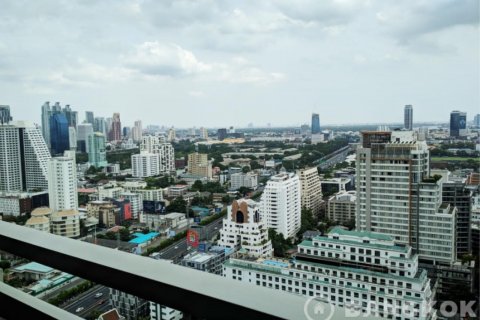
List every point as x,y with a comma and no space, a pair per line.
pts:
221,63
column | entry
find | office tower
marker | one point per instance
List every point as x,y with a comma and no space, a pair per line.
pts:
137,131
166,154
311,190
247,180
476,121
145,164
341,207
171,135
99,125
46,122
244,229
5,117
458,124
199,165
72,116
408,117
315,123
397,196
97,155
23,158
281,204
126,132
72,138
362,271
51,113
84,130
59,139
89,118
203,133
221,134
115,133
62,184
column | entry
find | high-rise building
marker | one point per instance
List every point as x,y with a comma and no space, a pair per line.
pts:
97,155
311,190
408,117
72,116
247,180
62,184
137,131
126,132
5,117
166,154
199,165
72,138
397,196
203,133
244,228
363,271
89,118
59,139
315,123
458,124
341,207
145,164
476,121
171,135
47,113
221,134
99,125
84,130
115,133
23,158
281,204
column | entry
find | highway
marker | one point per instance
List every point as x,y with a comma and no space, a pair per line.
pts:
89,302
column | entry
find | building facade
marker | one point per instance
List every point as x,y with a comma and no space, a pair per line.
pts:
65,223
458,124
97,155
199,165
145,164
115,130
62,184
341,207
59,139
315,123
311,190
408,117
247,180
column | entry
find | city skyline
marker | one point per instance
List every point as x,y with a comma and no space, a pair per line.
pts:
225,60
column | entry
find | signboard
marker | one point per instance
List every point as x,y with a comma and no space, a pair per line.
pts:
196,219
202,247
154,207
193,238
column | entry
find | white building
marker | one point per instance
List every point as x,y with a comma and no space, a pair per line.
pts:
160,312
39,223
136,203
281,204
62,184
84,130
244,229
137,131
65,223
72,138
248,180
311,189
341,207
156,144
363,271
397,196
203,133
97,155
111,191
145,164
23,158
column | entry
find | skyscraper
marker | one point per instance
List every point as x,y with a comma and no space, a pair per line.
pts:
199,165
72,116
84,130
5,117
203,133
99,125
62,184
166,155
97,155
476,121
315,123
281,204
47,113
458,124
23,158
311,189
116,128
221,134
137,131
145,164
408,117
59,141
89,118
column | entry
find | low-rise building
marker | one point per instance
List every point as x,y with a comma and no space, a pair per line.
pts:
41,223
247,180
177,190
341,207
211,262
65,223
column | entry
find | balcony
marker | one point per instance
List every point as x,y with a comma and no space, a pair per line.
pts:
195,293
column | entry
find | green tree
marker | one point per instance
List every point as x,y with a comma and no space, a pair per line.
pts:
308,221
279,243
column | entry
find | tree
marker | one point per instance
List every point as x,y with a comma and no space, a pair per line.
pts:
279,243
244,190
4,264
125,234
245,169
308,221
197,186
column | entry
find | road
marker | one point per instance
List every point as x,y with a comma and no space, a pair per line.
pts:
89,302
333,158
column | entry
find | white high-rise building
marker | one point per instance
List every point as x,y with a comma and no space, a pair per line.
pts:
248,180
145,164
23,157
311,189
72,138
97,156
171,135
156,144
397,196
62,184
281,204
137,131
199,165
244,229
203,133
84,130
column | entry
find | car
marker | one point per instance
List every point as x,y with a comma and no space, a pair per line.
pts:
98,295
176,247
102,301
80,309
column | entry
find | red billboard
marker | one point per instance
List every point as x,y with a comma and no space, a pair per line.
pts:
127,211
193,238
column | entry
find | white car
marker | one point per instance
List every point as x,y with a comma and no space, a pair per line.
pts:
98,295
79,309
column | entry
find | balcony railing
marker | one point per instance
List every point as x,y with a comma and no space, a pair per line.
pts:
197,294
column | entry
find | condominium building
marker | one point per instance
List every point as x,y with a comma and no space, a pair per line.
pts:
171,137
458,124
136,202
137,131
397,196
341,207
72,138
145,164
99,125
311,190
62,184
244,229
65,223
156,144
203,133
104,211
84,130
280,204
211,261
97,156
128,305
364,271
199,165
115,130
41,223
23,157
247,180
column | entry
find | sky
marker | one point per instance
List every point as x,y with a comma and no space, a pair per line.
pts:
230,63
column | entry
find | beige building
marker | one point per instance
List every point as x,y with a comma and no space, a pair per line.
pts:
311,189
199,165
341,207
104,211
65,223
40,223
41,212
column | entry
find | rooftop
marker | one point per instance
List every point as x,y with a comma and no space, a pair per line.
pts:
33,267
42,211
38,220
361,234
65,213
142,238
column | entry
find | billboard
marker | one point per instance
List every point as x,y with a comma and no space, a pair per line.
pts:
193,238
158,207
